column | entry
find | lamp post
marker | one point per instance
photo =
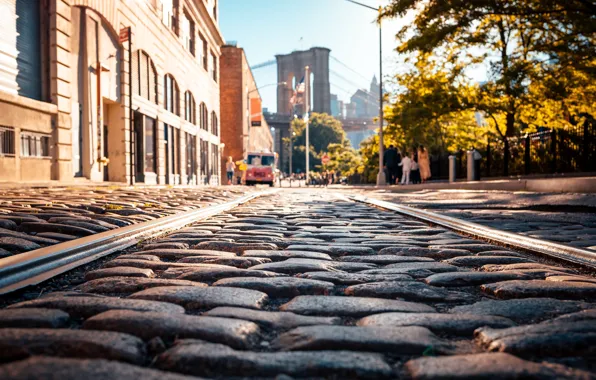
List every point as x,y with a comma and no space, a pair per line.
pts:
381,180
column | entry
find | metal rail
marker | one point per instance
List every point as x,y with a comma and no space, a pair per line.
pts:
554,250
33,267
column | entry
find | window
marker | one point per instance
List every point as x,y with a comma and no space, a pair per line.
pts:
168,14
204,157
171,95
35,145
144,76
214,159
190,108
214,68
204,114
215,10
205,55
187,32
214,126
150,152
191,156
6,141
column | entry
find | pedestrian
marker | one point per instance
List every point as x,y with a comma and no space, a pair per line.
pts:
415,172
230,166
406,166
391,163
424,163
477,159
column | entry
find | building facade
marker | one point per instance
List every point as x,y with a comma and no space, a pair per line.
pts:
110,90
238,91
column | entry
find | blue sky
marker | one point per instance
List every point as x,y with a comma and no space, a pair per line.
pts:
268,27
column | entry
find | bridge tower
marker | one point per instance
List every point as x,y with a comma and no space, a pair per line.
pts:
291,66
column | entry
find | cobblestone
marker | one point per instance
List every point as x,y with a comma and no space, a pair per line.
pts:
33,318
20,343
408,290
279,319
279,287
541,288
350,306
147,325
128,285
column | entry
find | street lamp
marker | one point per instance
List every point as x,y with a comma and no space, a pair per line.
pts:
381,180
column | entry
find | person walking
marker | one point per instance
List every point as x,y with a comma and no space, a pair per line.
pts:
415,172
406,166
477,159
230,166
390,163
424,163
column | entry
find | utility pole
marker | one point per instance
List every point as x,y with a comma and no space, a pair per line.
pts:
306,116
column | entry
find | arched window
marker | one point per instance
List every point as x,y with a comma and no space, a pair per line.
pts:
214,126
171,95
204,117
144,76
190,108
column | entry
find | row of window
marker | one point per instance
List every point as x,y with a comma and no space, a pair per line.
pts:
185,30
145,85
32,144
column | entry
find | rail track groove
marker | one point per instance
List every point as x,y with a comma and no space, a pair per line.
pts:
558,251
33,267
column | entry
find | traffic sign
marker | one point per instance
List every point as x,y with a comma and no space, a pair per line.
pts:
325,159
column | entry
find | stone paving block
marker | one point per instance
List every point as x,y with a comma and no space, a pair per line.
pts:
438,254
5,253
139,257
198,358
500,253
20,235
19,343
273,319
56,236
410,340
238,262
454,324
408,290
477,261
154,246
583,279
214,272
47,368
342,278
350,306
146,325
8,224
162,265
579,316
279,286
33,317
541,288
235,247
524,310
293,266
87,306
176,254
310,248
283,255
17,244
488,366
119,272
193,298
412,272
555,339
496,268
55,227
128,285
431,266
384,259
472,278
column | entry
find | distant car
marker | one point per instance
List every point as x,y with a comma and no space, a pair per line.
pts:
261,168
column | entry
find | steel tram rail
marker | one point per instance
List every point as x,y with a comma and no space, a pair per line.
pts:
558,251
33,267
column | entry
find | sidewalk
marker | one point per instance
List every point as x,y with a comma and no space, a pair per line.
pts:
540,185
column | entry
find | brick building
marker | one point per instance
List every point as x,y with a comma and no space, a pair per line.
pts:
66,80
238,87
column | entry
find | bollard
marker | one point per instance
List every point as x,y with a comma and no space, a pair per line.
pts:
452,168
470,156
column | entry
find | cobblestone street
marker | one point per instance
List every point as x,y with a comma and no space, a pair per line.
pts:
302,283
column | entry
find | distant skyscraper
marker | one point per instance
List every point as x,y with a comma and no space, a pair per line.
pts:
334,106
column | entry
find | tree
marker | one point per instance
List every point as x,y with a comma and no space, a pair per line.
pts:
324,131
